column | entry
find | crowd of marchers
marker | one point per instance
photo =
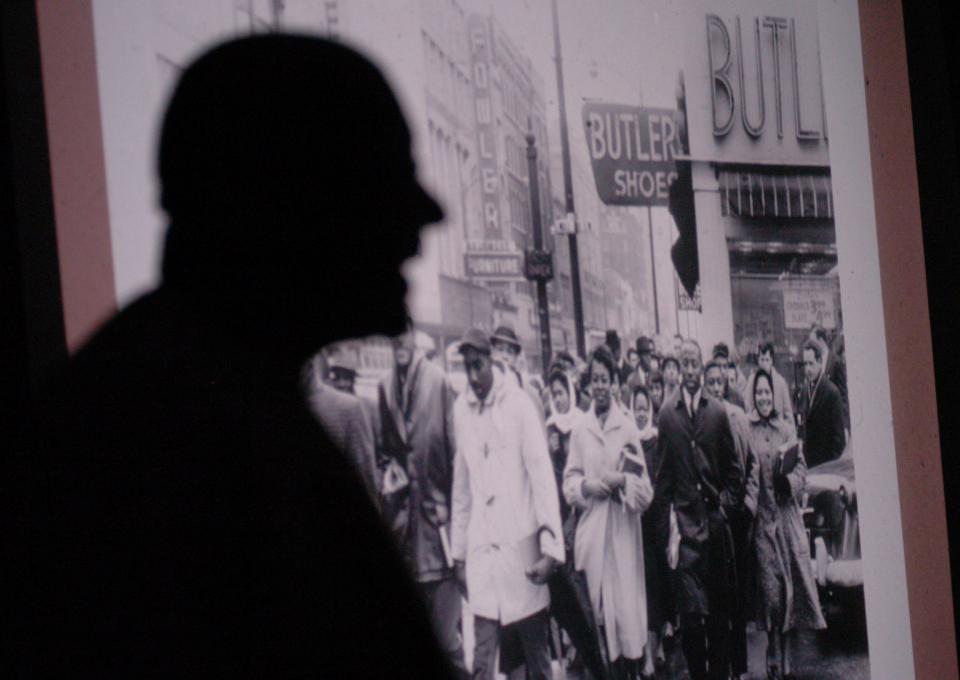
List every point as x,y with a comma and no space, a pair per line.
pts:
639,501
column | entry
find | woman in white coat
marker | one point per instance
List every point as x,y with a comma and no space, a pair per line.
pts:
607,479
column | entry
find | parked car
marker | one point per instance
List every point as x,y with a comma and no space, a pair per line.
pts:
833,526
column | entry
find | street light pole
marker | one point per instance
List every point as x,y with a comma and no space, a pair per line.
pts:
653,271
543,310
568,190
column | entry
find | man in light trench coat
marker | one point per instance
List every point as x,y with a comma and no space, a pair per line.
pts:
506,531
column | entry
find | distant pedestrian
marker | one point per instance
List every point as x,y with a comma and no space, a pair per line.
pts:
633,359
564,417
656,530
821,410
677,344
670,368
834,366
766,355
646,349
736,383
655,389
507,350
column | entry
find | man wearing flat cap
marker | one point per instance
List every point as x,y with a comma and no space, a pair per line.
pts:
505,528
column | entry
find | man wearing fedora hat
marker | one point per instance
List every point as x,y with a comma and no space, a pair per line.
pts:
506,349
624,369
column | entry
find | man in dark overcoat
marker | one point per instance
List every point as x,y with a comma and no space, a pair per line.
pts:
821,410
702,477
414,427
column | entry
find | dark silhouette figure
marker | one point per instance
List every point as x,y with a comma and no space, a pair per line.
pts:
179,512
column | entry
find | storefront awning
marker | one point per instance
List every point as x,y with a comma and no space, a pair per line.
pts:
781,195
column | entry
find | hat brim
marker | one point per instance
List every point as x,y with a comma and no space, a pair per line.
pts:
465,345
508,341
342,369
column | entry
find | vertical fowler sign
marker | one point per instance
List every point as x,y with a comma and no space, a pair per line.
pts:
486,134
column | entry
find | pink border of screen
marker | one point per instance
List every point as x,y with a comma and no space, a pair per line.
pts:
909,348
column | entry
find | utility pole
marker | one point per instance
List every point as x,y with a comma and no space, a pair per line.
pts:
653,271
539,265
568,190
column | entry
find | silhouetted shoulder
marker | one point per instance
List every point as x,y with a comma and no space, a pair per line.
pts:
194,516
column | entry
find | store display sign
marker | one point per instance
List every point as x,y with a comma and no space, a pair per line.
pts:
805,308
494,266
687,302
631,150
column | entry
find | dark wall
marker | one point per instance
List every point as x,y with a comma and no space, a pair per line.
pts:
32,339
932,55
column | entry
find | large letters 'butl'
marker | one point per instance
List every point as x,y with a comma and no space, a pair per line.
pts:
772,36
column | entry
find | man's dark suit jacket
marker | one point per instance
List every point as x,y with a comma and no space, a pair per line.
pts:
823,431
702,477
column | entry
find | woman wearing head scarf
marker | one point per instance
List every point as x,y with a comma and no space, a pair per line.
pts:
786,595
606,479
656,530
564,415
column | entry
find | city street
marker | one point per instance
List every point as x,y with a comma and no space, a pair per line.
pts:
834,654
829,657
825,656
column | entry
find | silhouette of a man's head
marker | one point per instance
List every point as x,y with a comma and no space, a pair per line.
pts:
287,175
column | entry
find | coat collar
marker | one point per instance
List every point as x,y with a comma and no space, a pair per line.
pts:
616,418
814,390
497,391
776,421
681,402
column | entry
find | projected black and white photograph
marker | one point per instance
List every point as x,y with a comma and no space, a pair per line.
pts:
615,440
